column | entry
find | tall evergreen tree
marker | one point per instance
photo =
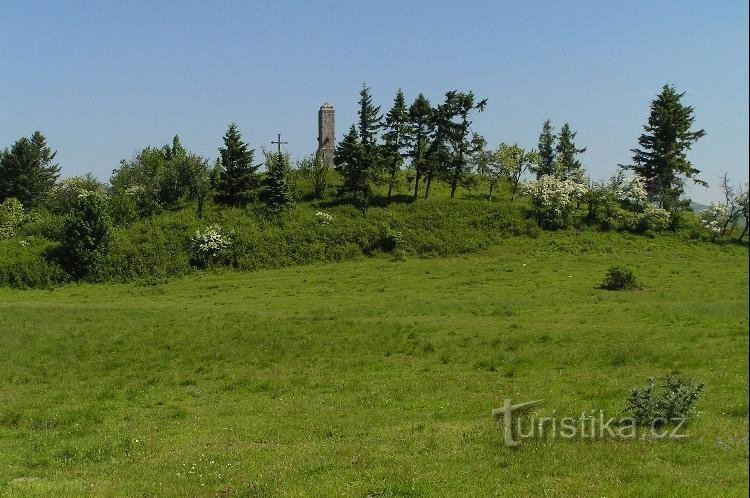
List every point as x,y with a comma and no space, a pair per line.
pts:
395,138
27,172
346,160
567,165
662,157
456,111
438,155
276,193
420,124
547,139
238,177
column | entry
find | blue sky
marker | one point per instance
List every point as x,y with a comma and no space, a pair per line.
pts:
105,79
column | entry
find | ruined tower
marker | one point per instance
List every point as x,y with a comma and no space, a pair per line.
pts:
326,133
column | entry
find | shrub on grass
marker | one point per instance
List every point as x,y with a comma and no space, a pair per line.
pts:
619,278
675,399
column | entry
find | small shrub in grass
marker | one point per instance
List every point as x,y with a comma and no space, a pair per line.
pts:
619,278
655,405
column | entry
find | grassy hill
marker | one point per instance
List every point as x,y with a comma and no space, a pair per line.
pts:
376,377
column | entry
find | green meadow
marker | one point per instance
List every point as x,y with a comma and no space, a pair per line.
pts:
377,376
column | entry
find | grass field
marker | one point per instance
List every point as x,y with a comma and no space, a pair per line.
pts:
377,377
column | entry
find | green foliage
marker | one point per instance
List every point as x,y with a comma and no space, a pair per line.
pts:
391,240
239,177
85,235
662,157
320,177
26,170
420,129
671,401
395,138
276,193
64,195
511,162
158,179
24,264
619,278
566,163
155,248
453,116
11,215
547,137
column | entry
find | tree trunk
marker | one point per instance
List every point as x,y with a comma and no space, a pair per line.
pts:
744,231
427,186
416,185
492,187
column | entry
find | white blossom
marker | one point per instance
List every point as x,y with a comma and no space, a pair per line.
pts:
715,217
209,243
554,196
324,218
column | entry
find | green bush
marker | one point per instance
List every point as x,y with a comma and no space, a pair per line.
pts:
11,215
24,264
85,235
619,278
656,405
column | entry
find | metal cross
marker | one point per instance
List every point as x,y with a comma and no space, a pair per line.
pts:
278,142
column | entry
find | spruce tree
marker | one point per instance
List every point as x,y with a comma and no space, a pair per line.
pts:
27,172
547,138
395,138
346,160
238,177
567,166
420,120
276,192
662,157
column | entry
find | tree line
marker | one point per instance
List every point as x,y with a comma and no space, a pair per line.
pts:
433,143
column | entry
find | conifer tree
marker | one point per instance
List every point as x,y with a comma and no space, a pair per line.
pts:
662,157
420,119
567,166
238,177
346,160
395,138
455,113
276,193
547,139
27,172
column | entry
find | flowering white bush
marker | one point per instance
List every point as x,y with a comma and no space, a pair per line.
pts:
633,189
714,218
11,215
209,244
654,218
323,218
553,198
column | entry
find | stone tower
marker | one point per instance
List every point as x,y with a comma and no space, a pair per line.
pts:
326,133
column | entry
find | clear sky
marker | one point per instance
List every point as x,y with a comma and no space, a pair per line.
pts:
103,79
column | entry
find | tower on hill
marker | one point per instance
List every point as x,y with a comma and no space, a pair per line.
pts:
326,133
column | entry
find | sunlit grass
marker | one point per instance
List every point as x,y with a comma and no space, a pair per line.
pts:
377,376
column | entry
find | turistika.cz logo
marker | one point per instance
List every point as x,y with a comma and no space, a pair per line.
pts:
589,425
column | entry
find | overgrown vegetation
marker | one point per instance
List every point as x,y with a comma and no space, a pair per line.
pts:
420,170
